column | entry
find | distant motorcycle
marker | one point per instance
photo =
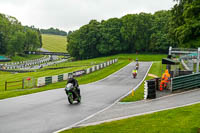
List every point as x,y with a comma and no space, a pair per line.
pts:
137,66
72,93
134,74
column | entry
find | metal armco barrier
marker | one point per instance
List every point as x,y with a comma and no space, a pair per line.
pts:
150,89
46,53
185,82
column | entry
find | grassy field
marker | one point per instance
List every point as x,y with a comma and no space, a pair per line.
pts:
139,93
54,43
179,120
142,57
70,67
78,66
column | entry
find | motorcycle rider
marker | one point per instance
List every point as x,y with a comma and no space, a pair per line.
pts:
137,64
72,80
134,72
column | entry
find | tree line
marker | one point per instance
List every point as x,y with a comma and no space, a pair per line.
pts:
53,31
15,38
143,32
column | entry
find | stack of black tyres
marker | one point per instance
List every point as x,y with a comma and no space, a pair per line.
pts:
151,84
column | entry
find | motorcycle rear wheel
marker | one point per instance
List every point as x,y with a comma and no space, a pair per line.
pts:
70,98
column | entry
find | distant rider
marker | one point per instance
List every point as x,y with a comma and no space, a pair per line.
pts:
134,72
75,83
137,64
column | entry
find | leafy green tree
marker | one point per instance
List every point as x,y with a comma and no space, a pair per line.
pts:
5,33
16,43
1,42
73,44
32,41
143,32
89,36
128,31
160,40
82,43
15,38
185,23
111,41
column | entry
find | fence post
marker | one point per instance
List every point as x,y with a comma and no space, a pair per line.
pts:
171,84
5,85
198,60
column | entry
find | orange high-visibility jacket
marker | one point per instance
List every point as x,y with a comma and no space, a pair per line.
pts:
166,76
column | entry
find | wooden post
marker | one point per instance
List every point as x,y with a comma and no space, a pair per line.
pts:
5,85
22,83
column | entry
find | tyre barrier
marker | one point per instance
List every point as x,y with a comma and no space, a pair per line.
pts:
56,78
150,89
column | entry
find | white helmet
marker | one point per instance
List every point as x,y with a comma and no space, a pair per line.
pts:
69,85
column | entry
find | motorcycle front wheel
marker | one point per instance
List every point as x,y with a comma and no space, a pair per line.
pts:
79,99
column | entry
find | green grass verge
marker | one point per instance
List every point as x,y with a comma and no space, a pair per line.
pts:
54,43
139,93
142,57
179,120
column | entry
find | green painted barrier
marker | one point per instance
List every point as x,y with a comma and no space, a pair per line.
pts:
186,82
60,77
48,80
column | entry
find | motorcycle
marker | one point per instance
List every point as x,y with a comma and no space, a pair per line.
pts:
72,93
137,67
134,74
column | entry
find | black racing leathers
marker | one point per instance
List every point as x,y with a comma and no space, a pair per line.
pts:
75,84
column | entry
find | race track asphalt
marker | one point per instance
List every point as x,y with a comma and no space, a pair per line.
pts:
49,111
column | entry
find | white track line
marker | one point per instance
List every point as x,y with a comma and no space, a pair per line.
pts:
73,125
125,117
163,97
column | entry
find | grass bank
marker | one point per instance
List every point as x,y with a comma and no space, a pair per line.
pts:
179,120
54,43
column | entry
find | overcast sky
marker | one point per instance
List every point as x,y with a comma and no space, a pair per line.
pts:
72,14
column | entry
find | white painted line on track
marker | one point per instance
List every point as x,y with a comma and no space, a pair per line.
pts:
74,125
125,117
